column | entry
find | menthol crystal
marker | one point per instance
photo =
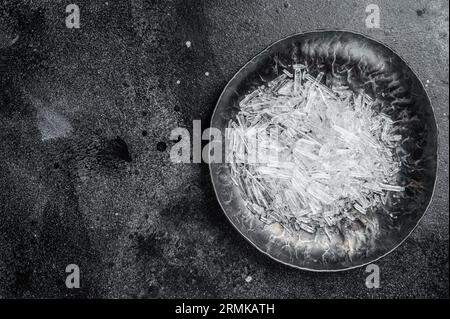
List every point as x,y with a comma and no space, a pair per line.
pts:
305,156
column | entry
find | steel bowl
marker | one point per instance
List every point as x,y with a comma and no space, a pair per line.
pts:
366,65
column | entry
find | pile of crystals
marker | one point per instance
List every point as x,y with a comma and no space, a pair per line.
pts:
306,155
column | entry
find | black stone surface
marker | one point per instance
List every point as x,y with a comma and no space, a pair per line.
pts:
106,196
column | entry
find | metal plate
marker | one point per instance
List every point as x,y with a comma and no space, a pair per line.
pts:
364,64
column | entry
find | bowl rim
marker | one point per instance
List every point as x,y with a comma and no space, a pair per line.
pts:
437,139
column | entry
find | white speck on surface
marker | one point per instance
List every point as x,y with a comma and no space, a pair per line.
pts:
428,81
178,81
188,44
248,278
207,73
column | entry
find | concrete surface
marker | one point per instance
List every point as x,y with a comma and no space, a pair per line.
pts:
85,175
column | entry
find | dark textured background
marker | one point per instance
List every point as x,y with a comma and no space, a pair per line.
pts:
104,194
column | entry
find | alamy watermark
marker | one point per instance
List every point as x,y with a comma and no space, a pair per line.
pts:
188,148
73,19
373,17
373,279
73,279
